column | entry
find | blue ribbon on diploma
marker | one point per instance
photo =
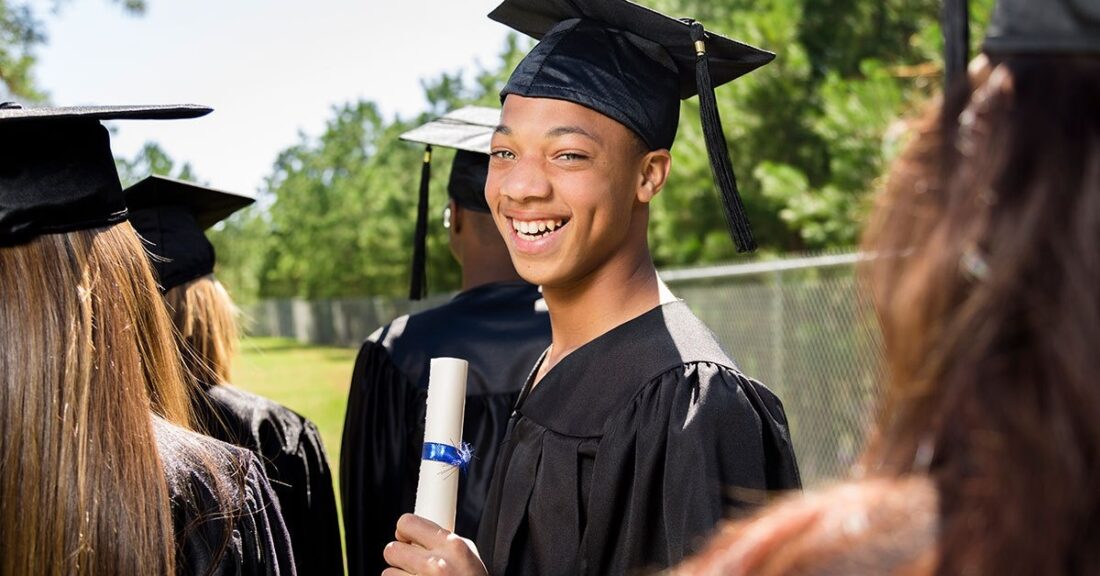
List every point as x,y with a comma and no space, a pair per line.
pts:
457,456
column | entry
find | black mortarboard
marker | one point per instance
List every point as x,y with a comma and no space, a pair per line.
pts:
468,130
633,65
57,173
171,216
1044,27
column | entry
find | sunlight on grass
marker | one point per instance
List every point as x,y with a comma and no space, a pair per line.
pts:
311,380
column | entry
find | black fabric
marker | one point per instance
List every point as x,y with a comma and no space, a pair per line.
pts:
57,173
207,206
466,186
56,176
618,58
293,456
956,41
500,330
13,111
180,249
1044,27
630,450
418,277
171,216
226,517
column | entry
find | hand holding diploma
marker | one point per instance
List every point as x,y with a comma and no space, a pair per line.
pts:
425,542
423,547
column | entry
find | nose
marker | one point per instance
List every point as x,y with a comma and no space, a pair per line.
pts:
524,180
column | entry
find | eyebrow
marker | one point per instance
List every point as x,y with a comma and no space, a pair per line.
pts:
554,132
564,130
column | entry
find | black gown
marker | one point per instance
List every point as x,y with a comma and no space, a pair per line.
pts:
290,449
224,512
630,450
500,329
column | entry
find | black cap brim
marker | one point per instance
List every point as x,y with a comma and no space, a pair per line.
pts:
208,205
10,111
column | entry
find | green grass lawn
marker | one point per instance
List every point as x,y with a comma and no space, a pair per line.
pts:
311,380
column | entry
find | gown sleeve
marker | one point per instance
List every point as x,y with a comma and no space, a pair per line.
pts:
700,443
230,524
302,481
378,430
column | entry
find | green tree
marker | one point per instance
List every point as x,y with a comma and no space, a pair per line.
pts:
343,206
809,135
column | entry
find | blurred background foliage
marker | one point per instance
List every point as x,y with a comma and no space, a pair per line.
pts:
810,136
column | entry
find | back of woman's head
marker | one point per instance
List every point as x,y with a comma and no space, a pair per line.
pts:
84,352
206,328
986,283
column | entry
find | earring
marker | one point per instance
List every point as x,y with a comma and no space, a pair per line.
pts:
447,218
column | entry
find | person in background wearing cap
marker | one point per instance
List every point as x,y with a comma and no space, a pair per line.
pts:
498,323
635,433
171,215
986,459
99,473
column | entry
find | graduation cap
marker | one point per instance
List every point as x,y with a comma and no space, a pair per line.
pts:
1044,27
634,65
468,130
171,216
57,173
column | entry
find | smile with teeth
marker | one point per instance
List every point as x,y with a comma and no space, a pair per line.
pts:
536,229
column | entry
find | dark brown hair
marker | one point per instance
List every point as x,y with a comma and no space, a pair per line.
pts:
985,272
987,285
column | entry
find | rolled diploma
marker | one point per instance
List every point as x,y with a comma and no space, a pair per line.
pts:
437,490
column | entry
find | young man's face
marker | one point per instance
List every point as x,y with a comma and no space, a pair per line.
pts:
566,189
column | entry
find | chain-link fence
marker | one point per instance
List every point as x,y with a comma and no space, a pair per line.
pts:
798,325
801,327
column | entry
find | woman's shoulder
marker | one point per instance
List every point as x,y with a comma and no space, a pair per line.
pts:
193,460
879,526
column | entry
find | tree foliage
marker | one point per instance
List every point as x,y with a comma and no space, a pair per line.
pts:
810,135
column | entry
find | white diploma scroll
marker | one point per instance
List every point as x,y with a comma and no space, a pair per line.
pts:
437,491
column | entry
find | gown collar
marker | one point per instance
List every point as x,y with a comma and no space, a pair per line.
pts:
580,394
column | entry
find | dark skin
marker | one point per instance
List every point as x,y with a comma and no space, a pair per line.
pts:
589,181
477,246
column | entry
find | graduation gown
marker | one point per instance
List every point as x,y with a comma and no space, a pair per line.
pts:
290,449
500,329
630,450
224,512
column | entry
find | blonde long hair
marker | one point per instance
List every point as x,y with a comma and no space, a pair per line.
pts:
206,328
85,352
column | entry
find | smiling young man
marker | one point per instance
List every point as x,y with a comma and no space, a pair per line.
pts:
635,433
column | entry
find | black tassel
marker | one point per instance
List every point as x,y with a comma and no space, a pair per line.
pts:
956,43
720,163
419,287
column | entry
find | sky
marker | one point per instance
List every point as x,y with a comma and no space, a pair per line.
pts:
271,69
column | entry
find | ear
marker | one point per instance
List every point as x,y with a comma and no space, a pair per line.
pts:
457,216
655,166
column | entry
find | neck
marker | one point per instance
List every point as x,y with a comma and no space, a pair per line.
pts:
489,272
609,297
